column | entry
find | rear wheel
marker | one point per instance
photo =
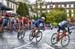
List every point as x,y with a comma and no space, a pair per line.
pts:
54,39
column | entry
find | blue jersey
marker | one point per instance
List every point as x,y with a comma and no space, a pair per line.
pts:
38,22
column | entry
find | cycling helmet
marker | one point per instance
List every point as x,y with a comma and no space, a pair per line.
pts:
43,18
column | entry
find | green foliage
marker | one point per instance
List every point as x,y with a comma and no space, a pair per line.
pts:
56,15
55,24
35,17
22,9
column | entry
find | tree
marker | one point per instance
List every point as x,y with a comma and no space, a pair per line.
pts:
22,9
56,15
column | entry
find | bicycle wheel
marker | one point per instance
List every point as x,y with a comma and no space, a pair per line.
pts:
65,40
31,36
54,39
21,34
38,36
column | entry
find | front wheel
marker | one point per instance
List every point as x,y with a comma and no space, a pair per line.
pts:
54,39
65,40
21,35
38,36
31,36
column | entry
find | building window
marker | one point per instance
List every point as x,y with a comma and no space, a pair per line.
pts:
72,5
48,6
67,5
67,11
59,6
53,6
72,14
67,15
62,5
72,11
43,6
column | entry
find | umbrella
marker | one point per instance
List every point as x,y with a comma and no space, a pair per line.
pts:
3,7
6,8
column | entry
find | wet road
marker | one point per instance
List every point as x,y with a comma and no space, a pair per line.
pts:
10,41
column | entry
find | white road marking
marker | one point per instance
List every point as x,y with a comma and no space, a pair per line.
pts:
22,46
72,42
45,44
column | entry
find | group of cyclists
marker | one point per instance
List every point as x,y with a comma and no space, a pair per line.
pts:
19,23
14,23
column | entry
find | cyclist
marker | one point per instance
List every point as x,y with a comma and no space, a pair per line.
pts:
12,21
17,23
5,22
20,24
37,23
63,25
24,21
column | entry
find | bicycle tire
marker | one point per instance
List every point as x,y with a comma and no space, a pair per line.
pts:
52,39
67,42
19,35
37,35
30,35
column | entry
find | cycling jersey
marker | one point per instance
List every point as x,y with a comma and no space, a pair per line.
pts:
12,20
38,22
25,20
62,25
5,21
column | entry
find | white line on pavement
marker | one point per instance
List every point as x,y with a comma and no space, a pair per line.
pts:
72,42
22,46
48,46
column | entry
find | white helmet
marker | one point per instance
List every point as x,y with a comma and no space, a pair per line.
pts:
43,18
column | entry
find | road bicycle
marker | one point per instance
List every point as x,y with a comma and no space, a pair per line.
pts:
21,34
37,35
63,37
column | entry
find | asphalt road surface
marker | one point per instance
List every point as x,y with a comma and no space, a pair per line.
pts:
10,41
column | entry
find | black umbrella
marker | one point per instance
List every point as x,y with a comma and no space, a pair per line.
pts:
6,8
3,7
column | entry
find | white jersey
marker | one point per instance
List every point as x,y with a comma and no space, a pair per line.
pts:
63,23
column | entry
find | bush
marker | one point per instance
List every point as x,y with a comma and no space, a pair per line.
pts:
55,24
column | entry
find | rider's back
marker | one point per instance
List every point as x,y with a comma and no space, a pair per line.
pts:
63,23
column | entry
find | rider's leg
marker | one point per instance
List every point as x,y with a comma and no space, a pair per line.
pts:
33,30
64,32
58,34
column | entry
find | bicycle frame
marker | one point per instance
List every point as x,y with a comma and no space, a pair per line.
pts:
61,36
